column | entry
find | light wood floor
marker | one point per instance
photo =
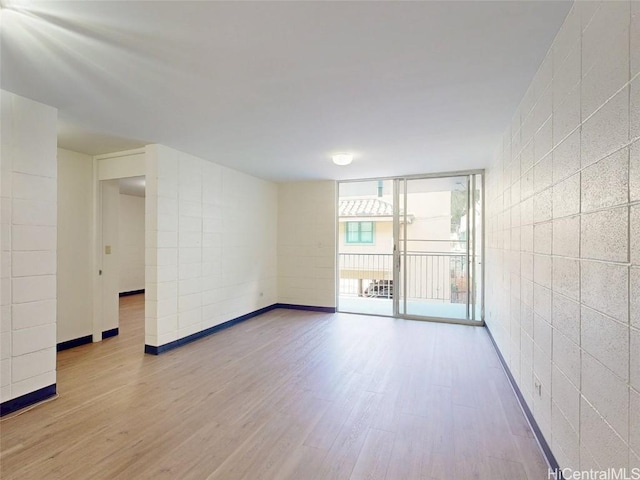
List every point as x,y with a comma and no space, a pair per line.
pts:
286,395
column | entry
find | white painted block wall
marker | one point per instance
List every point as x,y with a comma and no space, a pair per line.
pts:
131,243
28,242
75,220
307,243
563,251
211,251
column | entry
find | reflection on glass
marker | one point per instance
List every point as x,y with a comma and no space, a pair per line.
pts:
365,247
434,268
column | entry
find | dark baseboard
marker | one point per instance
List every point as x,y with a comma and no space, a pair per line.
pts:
153,350
157,350
27,400
132,292
307,308
75,342
544,446
110,333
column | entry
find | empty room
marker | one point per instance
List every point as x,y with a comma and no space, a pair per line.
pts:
320,240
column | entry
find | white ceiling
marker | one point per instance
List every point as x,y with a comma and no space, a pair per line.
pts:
274,88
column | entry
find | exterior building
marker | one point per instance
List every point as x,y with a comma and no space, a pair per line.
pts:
434,253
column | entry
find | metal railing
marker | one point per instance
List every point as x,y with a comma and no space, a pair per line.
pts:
430,275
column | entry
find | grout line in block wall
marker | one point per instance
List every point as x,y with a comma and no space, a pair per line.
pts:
580,170
607,155
628,286
602,417
607,316
626,85
566,136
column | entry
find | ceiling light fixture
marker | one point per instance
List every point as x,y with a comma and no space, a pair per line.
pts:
342,158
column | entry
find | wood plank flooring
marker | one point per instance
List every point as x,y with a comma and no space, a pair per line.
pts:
288,395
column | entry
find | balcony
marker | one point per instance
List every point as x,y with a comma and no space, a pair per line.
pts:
436,284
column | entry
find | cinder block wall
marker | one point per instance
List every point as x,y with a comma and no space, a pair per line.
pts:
307,243
211,244
563,246
28,244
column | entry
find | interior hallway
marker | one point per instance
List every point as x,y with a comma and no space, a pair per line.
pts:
289,394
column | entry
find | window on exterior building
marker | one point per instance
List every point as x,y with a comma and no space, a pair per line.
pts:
359,232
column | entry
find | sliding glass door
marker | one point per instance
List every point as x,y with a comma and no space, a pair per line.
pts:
438,254
365,247
412,247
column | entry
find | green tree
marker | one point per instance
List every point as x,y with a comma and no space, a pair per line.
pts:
459,207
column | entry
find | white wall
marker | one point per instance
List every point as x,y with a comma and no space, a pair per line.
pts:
109,281
210,244
563,258
307,243
131,243
28,164
75,217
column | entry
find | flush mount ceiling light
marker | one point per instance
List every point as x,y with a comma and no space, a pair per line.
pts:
342,158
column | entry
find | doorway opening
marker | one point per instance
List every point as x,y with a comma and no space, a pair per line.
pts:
412,247
122,257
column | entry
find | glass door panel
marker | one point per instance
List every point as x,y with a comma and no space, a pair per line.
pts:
437,240
365,247
433,247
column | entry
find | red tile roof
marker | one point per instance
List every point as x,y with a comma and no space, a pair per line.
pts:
365,207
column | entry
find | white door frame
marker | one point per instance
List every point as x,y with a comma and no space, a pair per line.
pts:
129,163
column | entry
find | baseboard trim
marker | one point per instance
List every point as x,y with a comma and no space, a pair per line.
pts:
542,442
153,350
75,342
110,333
157,350
27,400
308,308
132,292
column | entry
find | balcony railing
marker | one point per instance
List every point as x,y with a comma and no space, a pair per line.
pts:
429,275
